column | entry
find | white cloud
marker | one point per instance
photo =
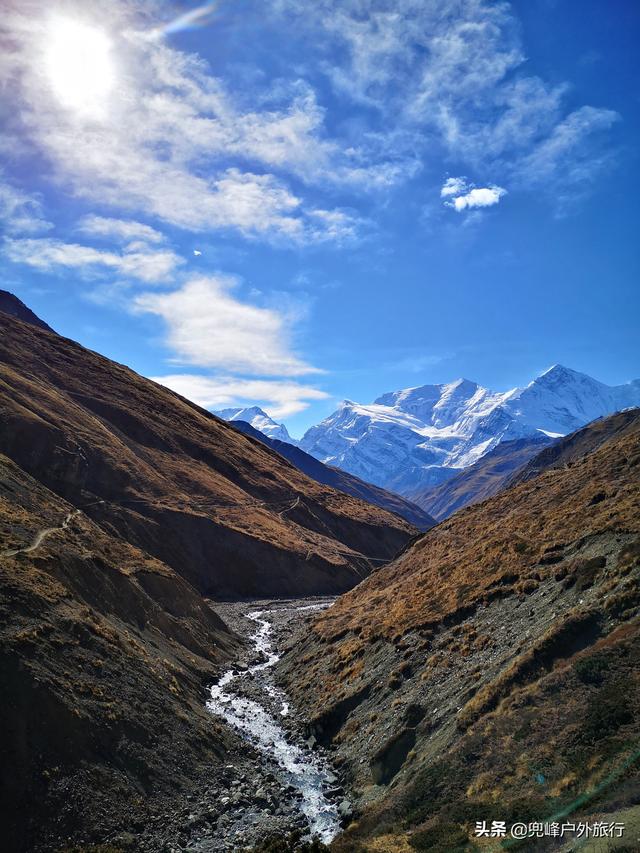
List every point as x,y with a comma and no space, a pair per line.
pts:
125,229
453,186
335,226
410,54
279,399
47,254
20,213
477,197
459,194
176,144
208,326
451,73
560,158
171,142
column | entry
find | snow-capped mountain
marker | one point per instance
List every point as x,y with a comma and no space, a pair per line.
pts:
259,420
415,438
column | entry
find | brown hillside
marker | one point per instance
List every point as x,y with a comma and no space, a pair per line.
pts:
482,480
342,480
104,657
224,511
564,452
491,671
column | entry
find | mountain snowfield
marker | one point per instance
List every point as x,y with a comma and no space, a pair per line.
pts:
259,420
416,438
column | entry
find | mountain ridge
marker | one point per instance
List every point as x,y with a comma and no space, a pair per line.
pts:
416,438
486,477
341,480
14,307
259,420
122,505
100,435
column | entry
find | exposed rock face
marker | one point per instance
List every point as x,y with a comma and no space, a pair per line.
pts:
485,478
343,481
224,511
104,656
490,671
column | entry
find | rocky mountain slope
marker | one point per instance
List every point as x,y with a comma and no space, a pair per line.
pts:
228,514
485,478
411,440
104,657
337,479
14,307
259,420
491,671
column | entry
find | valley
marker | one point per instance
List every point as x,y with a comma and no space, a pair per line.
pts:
319,426
241,647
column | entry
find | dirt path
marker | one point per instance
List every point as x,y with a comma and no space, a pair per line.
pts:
40,536
289,508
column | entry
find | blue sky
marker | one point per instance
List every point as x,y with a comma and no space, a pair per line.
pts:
291,203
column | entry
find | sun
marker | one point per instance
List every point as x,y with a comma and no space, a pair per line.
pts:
79,66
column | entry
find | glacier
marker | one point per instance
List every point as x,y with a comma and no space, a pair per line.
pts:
418,437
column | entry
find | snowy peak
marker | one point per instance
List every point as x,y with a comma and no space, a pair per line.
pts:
259,420
562,400
438,405
560,373
417,437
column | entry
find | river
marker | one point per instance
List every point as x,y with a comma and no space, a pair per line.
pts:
260,723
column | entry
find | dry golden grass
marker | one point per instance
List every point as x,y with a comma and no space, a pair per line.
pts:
175,480
474,556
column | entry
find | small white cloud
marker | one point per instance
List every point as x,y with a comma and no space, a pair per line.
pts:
210,327
476,197
279,399
125,229
47,254
453,186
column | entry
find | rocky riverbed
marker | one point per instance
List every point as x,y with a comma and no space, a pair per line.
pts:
277,781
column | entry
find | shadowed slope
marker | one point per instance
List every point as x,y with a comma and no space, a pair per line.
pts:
342,480
104,657
227,513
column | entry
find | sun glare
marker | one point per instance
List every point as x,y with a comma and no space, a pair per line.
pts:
79,66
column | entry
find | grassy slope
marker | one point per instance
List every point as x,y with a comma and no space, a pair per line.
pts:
482,480
230,515
342,480
491,671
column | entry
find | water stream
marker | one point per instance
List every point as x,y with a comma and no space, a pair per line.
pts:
301,768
